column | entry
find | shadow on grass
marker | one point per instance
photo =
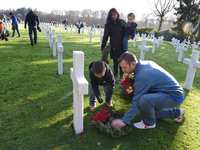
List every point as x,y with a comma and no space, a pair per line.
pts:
37,114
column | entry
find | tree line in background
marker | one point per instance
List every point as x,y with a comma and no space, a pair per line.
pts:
88,16
187,12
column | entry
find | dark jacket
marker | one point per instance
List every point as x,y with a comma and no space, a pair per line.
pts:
114,30
131,29
108,79
31,19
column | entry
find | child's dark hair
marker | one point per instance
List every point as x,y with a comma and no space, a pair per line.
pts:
131,15
98,67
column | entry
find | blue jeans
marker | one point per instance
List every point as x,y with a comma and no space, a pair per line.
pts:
125,42
155,106
15,27
108,89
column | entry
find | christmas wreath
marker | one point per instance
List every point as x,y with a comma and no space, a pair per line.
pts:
102,120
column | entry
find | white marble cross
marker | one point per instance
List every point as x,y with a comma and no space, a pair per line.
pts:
80,88
59,39
91,33
193,65
194,46
180,49
155,44
143,48
60,52
175,42
51,37
134,42
160,39
54,53
101,36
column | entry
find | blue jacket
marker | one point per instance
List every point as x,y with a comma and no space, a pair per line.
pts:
151,78
14,20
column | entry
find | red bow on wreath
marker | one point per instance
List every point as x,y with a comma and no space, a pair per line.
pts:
102,116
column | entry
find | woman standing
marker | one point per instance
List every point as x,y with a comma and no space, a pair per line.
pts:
114,28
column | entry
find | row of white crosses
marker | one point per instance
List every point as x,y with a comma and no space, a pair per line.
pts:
143,47
156,42
181,48
175,42
136,38
193,62
56,46
80,84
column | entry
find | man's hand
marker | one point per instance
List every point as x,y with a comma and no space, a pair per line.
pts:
118,124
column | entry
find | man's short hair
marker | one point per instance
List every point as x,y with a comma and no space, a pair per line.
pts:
131,15
98,67
128,57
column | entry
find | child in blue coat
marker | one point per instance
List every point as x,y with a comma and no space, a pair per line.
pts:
130,30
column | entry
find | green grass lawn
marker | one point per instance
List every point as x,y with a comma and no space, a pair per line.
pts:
36,103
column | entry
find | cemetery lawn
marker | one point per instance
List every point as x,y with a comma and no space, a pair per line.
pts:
36,103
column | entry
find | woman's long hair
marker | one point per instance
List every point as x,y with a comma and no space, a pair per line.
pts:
109,17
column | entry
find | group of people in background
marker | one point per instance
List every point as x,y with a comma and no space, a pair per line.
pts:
155,94
31,20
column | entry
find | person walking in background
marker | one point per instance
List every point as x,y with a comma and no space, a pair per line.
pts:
14,24
33,24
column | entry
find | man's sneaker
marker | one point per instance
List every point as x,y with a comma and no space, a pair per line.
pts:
141,125
181,117
92,107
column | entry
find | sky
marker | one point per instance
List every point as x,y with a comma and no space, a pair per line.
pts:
139,7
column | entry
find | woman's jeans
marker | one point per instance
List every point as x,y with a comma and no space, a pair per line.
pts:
125,42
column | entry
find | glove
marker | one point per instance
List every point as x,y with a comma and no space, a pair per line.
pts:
100,100
39,29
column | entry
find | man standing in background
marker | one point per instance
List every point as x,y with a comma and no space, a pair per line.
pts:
33,23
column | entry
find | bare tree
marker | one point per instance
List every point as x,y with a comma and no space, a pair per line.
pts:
162,7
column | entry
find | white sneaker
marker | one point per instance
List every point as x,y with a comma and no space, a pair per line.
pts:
92,107
141,125
181,117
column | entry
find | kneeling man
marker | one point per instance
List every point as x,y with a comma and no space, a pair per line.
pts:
157,94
